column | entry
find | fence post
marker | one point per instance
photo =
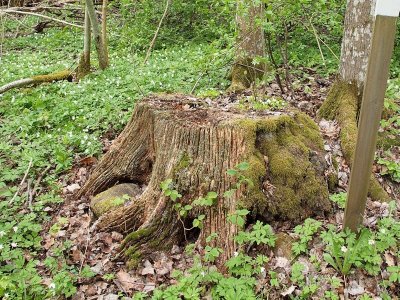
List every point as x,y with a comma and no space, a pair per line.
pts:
384,33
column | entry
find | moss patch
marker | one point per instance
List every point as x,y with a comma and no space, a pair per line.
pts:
60,75
283,156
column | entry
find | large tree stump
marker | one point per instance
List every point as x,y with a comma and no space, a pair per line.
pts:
181,138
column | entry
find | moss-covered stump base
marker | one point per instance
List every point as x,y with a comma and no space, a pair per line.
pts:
342,104
183,139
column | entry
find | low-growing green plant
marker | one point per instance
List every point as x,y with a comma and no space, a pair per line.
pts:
345,249
305,232
392,168
340,199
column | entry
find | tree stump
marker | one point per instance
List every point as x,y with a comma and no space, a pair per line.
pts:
195,144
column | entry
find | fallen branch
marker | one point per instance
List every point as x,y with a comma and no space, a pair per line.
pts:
12,11
156,33
56,76
22,182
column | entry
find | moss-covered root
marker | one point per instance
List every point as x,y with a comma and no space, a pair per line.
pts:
343,104
56,76
243,74
161,234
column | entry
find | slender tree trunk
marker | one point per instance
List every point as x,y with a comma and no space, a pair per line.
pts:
84,62
356,43
250,44
104,28
98,40
344,100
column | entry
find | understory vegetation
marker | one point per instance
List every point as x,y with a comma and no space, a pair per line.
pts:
48,129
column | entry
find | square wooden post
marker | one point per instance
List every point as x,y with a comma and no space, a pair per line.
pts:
384,34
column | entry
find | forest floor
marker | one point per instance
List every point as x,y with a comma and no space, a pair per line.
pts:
55,133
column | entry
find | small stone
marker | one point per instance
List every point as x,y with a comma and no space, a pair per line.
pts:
113,198
73,188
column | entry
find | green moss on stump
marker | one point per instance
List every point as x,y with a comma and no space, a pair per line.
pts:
283,150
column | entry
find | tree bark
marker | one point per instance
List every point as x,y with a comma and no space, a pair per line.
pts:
104,28
344,99
356,43
84,60
194,145
250,44
97,35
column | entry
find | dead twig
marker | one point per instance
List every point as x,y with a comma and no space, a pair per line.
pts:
37,183
12,11
156,33
22,182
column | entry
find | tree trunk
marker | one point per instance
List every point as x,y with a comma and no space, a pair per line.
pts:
344,100
104,28
84,61
250,44
356,43
178,138
102,52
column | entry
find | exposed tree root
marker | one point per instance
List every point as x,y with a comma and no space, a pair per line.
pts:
343,104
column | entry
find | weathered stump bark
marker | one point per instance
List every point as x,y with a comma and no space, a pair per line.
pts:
182,139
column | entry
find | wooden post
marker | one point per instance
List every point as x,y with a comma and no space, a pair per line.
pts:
375,86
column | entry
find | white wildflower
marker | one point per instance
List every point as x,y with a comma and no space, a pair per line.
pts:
203,274
371,242
14,245
262,270
52,286
2,233
344,249
235,254
15,228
